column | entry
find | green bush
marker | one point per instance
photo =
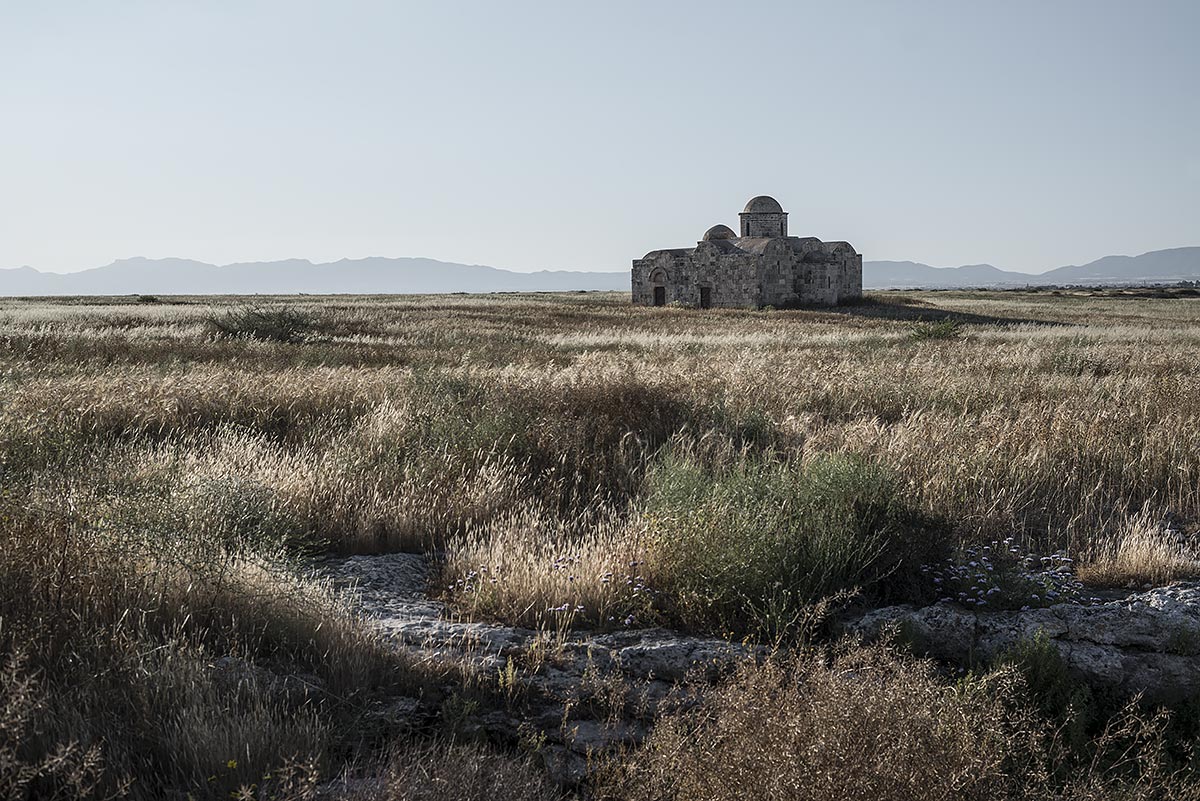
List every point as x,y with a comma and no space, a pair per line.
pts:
576,442
1053,690
233,511
943,329
749,547
284,324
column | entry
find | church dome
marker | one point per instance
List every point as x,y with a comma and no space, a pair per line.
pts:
763,204
719,232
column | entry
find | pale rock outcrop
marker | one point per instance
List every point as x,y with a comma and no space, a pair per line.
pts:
637,670
583,693
1147,642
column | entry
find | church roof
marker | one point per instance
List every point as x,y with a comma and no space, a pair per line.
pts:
719,232
754,244
669,252
810,247
763,204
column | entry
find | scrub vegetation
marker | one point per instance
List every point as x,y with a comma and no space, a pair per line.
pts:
172,470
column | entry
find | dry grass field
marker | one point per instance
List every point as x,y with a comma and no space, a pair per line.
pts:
170,466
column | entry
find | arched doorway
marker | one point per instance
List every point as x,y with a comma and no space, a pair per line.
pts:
658,282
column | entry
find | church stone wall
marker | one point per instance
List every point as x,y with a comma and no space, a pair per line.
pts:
731,278
764,225
675,268
777,271
733,282
851,284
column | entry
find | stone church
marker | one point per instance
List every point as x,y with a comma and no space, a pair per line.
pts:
762,266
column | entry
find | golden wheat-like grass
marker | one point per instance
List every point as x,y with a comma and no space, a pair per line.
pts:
1141,552
163,482
531,569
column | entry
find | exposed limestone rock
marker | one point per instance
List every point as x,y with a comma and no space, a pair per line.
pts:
1148,642
580,692
390,588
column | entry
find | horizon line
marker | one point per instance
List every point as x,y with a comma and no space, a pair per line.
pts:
543,270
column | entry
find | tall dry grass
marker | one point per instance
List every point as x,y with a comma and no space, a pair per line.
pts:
453,772
1142,551
539,570
1053,419
1055,431
154,664
874,724
163,484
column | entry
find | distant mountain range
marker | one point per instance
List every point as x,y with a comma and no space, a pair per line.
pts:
407,275
350,276
1176,264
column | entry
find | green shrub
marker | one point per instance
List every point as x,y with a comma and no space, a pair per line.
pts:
234,511
943,329
749,547
284,324
463,417
580,441
1054,691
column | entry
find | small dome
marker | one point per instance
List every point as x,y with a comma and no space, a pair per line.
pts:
719,232
763,204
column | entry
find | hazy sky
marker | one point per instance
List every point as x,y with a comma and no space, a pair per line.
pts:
580,135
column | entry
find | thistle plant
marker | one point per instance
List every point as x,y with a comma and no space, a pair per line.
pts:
1003,575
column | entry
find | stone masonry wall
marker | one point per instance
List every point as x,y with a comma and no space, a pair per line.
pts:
851,284
780,272
763,225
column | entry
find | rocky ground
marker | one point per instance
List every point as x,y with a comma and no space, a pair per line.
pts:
576,695
1146,642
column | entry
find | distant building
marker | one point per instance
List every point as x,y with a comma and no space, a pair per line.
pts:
761,267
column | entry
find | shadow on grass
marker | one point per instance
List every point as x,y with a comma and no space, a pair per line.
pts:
920,312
